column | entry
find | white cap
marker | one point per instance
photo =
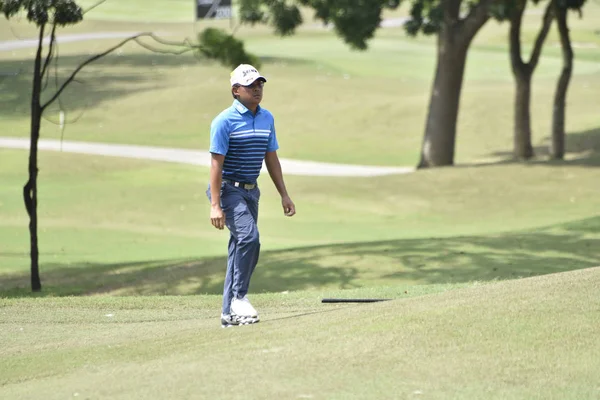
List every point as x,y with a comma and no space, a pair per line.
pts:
244,75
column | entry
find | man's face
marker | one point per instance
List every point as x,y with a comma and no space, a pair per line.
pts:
251,94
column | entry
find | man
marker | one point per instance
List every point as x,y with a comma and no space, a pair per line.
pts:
241,138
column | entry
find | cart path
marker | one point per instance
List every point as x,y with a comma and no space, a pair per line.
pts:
199,157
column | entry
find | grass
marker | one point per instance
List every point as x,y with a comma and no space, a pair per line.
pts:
489,264
130,227
110,115
404,262
523,339
315,80
164,11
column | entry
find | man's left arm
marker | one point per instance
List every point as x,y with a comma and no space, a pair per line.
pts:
274,168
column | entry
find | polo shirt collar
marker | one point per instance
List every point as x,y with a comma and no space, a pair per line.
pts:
242,109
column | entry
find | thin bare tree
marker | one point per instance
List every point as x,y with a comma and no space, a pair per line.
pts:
48,16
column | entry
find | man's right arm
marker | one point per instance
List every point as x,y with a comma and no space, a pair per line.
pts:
217,216
219,145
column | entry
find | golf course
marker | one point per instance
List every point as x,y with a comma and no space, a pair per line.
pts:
490,268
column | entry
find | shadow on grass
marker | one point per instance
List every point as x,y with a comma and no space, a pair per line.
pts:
414,261
581,149
120,76
92,87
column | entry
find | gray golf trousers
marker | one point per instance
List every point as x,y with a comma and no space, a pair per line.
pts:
241,217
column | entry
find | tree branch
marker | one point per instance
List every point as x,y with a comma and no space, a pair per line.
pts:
27,197
122,43
186,42
563,32
37,68
451,10
56,57
94,6
14,32
475,19
45,74
50,49
62,109
516,19
539,41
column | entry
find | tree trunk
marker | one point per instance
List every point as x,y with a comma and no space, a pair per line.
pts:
522,72
454,39
557,145
522,123
30,197
440,131
30,188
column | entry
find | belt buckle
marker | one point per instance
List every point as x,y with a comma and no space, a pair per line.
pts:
247,186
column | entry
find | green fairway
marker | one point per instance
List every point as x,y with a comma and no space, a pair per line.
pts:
491,266
523,339
318,89
129,10
131,227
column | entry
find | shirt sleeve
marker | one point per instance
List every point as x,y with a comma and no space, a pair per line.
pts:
272,145
219,136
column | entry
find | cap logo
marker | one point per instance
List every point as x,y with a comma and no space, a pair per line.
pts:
244,74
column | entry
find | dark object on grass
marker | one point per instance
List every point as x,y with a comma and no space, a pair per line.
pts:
352,300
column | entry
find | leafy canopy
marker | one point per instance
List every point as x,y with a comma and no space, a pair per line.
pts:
502,10
42,12
354,20
283,16
217,45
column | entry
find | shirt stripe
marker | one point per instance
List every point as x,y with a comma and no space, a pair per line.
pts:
244,139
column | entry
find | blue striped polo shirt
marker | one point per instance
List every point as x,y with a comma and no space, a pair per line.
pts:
243,138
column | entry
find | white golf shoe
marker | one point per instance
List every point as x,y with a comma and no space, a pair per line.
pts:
228,320
243,311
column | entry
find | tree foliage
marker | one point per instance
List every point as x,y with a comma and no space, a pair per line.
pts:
218,45
426,17
43,12
354,20
282,15
574,5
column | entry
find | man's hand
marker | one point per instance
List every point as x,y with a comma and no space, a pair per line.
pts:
217,217
274,168
289,208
